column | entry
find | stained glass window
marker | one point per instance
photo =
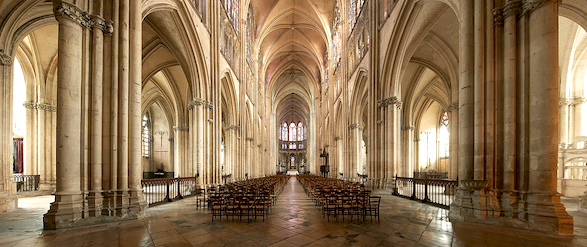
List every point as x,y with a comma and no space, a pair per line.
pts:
355,8
250,32
292,146
336,36
443,136
292,132
231,7
300,131
146,135
284,131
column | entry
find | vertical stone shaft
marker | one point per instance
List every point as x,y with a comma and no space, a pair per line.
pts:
200,139
96,119
67,206
137,200
509,102
544,92
478,89
544,207
123,114
114,101
466,93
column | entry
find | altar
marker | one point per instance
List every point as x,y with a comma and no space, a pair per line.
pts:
293,173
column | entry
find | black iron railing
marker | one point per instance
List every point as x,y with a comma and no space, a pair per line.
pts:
26,183
438,192
158,191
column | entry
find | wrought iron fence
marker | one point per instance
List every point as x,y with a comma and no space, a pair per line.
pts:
438,192
159,191
26,183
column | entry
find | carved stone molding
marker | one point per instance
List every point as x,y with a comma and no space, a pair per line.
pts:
452,107
5,59
565,101
407,127
64,9
46,107
181,128
105,25
250,139
355,126
572,101
517,8
338,138
389,101
29,105
160,133
232,127
196,102
579,101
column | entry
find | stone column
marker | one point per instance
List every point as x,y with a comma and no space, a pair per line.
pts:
8,199
510,83
123,111
200,122
137,200
68,198
466,93
95,193
462,205
545,212
478,90
564,104
30,139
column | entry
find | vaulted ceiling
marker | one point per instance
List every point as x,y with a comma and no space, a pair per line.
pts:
293,37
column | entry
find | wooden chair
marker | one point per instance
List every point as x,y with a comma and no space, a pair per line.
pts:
217,207
330,208
372,209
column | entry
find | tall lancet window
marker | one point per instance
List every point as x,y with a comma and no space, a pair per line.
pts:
292,132
336,36
284,132
300,131
443,137
146,136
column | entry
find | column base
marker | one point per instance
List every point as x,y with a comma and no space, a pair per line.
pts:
8,202
540,212
121,202
95,203
137,206
64,212
47,187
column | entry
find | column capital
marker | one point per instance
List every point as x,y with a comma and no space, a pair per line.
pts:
46,107
579,101
393,100
337,138
565,101
232,127
180,128
452,107
250,139
64,9
29,104
517,8
407,127
355,126
5,59
105,25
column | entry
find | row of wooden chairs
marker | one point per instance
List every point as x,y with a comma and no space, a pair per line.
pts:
342,199
250,198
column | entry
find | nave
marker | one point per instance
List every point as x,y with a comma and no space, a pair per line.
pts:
294,221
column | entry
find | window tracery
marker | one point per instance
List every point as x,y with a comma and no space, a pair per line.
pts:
146,136
336,36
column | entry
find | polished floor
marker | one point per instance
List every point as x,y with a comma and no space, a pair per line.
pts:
293,222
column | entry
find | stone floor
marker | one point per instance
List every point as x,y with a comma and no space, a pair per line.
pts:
293,222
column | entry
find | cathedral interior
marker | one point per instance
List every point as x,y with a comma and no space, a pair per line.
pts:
467,119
